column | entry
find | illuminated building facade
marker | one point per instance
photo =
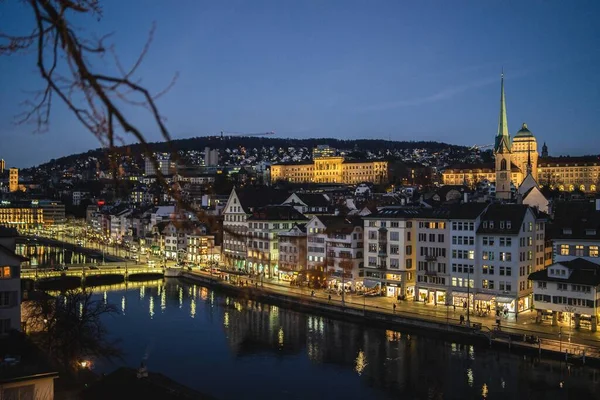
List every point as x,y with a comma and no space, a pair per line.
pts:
31,214
21,215
520,155
331,169
13,180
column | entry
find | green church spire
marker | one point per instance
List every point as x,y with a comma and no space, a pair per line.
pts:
502,138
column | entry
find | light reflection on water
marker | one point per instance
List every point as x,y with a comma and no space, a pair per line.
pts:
200,333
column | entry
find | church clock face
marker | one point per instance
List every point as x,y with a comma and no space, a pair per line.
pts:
503,175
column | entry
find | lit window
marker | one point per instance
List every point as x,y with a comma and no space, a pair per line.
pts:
564,249
593,251
579,250
5,272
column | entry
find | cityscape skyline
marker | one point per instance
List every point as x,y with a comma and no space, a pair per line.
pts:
259,72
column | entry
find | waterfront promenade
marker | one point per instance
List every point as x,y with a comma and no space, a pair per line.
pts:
556,339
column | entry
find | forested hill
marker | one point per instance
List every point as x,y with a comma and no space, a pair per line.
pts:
236,142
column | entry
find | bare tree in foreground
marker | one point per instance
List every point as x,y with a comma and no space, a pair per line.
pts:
69,328
66,57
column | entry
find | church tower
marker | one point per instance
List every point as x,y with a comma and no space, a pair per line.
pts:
544,150
502,151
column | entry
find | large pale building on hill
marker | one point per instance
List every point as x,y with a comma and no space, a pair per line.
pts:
331,169
516,156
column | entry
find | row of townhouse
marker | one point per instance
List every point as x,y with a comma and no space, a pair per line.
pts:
567,292
471,253
475,253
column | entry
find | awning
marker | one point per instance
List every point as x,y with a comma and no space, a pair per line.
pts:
370,284
484,296
504,300
460,294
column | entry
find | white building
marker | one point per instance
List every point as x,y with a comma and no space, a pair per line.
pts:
315,238
241,205
569,292
390,251
464,221
510,246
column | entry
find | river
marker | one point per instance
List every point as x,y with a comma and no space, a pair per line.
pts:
239,349
42,255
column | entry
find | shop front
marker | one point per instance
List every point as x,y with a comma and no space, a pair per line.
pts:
459,299
484,303
524,303
392,290
287,275
371,288
505,304
432,296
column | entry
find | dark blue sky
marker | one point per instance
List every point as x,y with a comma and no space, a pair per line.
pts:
347,69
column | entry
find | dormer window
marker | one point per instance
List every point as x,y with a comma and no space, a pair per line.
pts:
485,224
590,232
508,225
567,231
501,224
491,224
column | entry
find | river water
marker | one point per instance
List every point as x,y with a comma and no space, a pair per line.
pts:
239,349
41,255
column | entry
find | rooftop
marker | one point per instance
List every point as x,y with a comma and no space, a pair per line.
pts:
582,272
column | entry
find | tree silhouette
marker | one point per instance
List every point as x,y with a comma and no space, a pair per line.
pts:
69,328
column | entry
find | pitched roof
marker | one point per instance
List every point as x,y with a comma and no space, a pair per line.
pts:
582,272
340,223
277,213
252,198
313,199
581,218
497,213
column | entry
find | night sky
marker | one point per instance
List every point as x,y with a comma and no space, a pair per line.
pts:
403,70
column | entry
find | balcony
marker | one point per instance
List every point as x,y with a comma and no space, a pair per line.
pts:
431,273
430,258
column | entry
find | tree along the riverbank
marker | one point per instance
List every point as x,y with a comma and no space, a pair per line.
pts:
69,328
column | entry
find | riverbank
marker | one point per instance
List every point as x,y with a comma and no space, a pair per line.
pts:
449,327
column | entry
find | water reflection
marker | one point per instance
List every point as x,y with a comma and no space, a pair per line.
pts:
201,333
44,256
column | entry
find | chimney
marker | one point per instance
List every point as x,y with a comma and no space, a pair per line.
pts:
598,204
466,197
